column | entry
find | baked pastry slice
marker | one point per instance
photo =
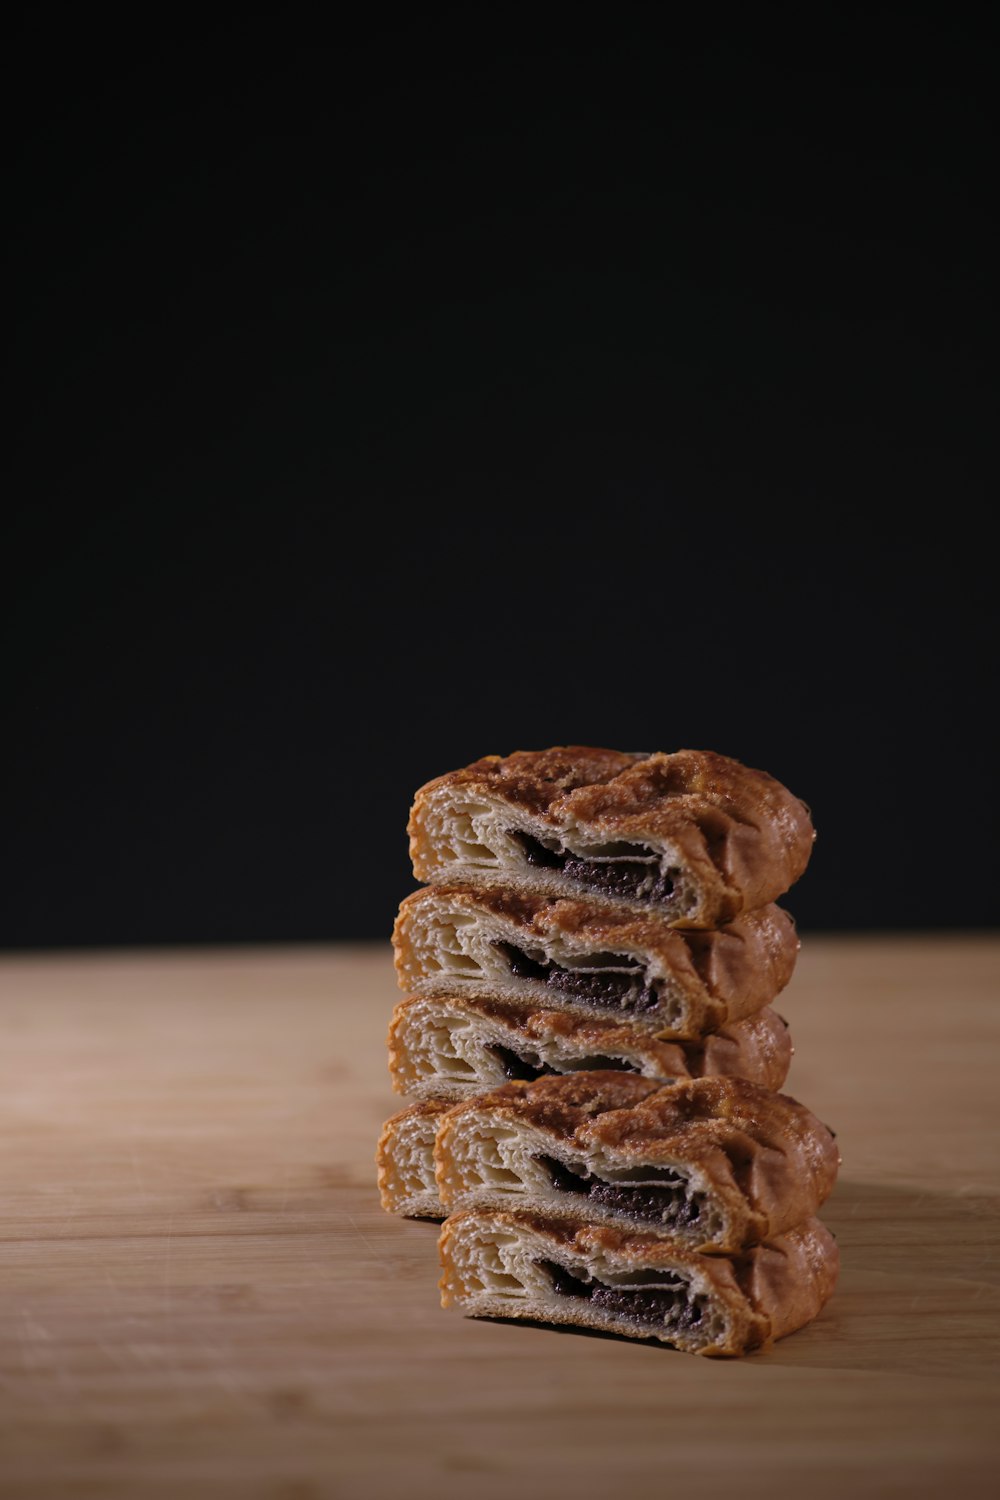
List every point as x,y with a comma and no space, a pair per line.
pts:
590,959
715,1163
405,1159
693,835
522,1265
449,1047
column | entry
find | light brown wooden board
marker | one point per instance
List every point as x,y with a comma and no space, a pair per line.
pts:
200,1294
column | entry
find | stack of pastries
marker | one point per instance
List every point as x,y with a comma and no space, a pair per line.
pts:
589,1040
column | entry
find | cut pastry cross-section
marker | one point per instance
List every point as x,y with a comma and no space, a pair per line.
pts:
715,1163
451,1047
592,960
523,1265
693,835
405,1160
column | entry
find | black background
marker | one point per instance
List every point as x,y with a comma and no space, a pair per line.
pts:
387,398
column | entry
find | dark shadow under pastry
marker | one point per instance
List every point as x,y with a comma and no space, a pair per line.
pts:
523,1265
590,959
715,1163
444,1047
694,835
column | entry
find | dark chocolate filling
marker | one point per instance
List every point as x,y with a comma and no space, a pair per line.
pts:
652,1305
656,1205
516,1067
563,1178
563,1281
638,879
617,991
666,1202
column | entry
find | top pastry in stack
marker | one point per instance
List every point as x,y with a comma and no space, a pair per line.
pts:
602,915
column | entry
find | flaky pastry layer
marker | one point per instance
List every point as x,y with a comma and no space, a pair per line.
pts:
405,1160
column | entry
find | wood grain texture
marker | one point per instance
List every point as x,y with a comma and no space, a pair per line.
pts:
200,1294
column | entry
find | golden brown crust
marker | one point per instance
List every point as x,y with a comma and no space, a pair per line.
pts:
759,1162
759,1048
792,1277
446,942
735,838
446,1046
494,1266
539,779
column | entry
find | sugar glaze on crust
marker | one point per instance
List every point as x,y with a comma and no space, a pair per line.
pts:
450,1047
694,835
591,959
523,1265
715,1163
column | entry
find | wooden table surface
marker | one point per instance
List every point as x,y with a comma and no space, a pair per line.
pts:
200,1294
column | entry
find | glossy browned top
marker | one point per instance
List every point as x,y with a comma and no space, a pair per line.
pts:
540,779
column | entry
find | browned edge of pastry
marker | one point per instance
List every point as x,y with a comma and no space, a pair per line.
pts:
405,1160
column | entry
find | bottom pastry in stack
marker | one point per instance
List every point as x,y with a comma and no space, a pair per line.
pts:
524,1266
